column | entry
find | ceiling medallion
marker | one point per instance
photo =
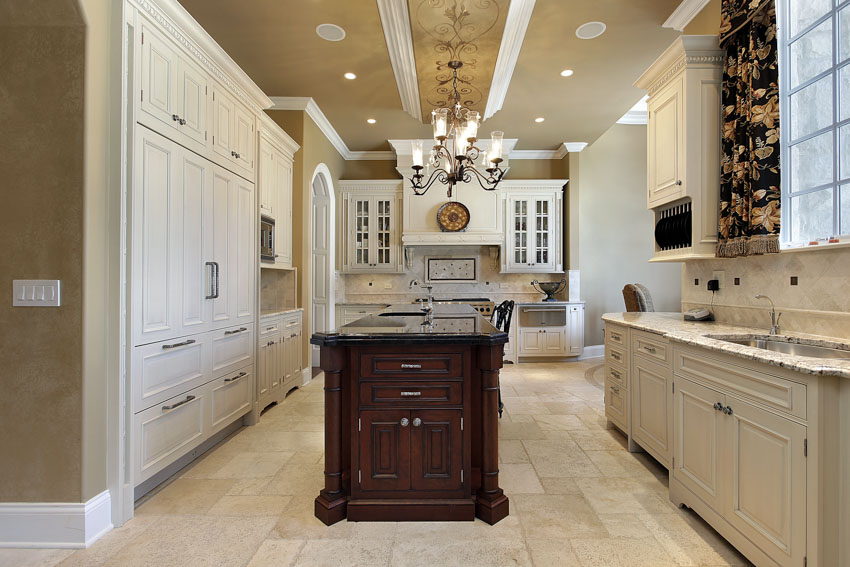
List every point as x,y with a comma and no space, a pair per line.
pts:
454,153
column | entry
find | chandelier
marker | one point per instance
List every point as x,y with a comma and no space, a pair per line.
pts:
455,134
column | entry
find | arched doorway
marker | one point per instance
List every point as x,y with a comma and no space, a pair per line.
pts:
323,212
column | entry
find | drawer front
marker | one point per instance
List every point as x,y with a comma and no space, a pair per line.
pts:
163,370
746,382
651,346
617,375
616,335
292,321
167,431
416,394
616,355
270,327
616,406
358,311
418,365
230,398
232,349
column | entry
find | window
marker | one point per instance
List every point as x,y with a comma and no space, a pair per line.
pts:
814,43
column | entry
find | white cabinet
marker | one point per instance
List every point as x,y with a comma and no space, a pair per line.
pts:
665,149
534,218
371,239
193,243
280,361
173,91
617,398
276,151
233,131
652,408
550,330
351,312
230,398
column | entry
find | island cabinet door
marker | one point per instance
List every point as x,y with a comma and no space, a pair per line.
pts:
385,450
436,450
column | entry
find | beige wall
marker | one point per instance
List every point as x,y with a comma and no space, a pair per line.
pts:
616,230
707,22
370,169
539,169
41,228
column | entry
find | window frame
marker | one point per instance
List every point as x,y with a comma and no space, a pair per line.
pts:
784,43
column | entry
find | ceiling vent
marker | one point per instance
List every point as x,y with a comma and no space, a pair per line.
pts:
330,32
590,30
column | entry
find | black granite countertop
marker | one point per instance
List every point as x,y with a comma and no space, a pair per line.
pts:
407,324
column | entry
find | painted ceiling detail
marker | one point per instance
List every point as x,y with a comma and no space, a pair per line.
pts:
469,31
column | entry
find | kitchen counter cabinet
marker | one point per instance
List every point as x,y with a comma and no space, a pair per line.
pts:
411,418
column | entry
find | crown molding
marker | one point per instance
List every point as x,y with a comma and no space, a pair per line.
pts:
516,25
684,13
396,23
388,155
175,20
277,135
575,147
694,51
634,117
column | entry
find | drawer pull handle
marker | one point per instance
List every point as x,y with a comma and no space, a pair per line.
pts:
649,349
410,394
616,337
233,332
411,366
175,345
615,356
615,374
718,406
615,389
404,421
178,404
237,377
417,422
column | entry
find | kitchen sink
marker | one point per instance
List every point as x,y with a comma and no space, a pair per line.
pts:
781,344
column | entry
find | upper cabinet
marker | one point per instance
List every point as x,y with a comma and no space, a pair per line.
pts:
683,147
276,154
370,239
534,227
233,130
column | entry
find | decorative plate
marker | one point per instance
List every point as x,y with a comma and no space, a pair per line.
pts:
453,217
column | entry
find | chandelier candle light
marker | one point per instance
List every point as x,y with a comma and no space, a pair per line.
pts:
455,134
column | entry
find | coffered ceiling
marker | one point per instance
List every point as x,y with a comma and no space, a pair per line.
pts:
513,52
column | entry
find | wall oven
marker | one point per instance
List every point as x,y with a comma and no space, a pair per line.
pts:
267,239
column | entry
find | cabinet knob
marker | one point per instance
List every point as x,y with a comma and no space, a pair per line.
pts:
417,422
404,421
718,406
175,118
678,182
727,410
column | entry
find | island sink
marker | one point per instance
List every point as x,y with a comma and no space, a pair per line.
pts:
411,418
786,345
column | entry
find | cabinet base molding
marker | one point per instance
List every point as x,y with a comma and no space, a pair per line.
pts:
59,525
329,509
680,495
492,510
462,510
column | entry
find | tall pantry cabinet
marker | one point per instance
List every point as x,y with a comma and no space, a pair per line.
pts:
192,241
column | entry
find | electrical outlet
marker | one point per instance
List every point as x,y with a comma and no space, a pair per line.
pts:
388,285
720,276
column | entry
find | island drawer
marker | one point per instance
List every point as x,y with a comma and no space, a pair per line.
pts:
616,355
419,365
651,345
416,393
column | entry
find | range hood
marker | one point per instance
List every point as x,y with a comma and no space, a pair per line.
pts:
419,212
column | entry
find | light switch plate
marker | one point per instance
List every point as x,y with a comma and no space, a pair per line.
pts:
35,293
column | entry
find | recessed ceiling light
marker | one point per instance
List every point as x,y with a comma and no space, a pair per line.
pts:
350,76
567,73
539,119
330,32
590,30
371,120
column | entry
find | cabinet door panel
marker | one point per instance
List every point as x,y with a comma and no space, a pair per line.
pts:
530,342
267,182
195,175
159,72
283,216
384,450
242,242
192,100
436,452
266,366
544,235
224,123
766,469
219,250
652,423
555,342
665,145
230,398
697,430
244,137
616,405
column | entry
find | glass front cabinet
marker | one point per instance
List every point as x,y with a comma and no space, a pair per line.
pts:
370,237
534,235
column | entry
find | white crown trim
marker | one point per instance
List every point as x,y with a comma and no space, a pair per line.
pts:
516,25
634,117
372,156
684,13
575,147
55,525
175,20
396,23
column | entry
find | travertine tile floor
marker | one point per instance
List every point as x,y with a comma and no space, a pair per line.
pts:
577,498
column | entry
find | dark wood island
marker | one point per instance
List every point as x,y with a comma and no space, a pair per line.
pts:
411,417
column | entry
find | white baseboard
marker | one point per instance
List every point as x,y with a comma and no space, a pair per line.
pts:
68,525
595,351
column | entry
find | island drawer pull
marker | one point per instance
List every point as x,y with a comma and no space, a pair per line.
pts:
404,422
649,349
175,345
616,337
233,332
408,365
411,394
615,356
237,377
615,374
615,389
178,404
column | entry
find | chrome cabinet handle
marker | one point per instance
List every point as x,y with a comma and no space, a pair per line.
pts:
718,406
211,266
178,404
217,282
175,118
410,394
175,345
412,366
616,337
404,421
417,422
649,349
237,377
182,122
678,182
233,332
232,153
615,356
615,374
615,389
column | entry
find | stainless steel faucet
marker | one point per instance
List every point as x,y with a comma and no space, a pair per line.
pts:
774,318
429,308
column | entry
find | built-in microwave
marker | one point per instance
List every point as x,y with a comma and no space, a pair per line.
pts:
267,239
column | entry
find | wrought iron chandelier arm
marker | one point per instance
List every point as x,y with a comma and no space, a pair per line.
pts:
491,181
420,189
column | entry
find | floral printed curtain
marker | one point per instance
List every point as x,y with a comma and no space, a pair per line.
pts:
750,180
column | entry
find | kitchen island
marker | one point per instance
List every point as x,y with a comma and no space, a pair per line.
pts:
411,417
